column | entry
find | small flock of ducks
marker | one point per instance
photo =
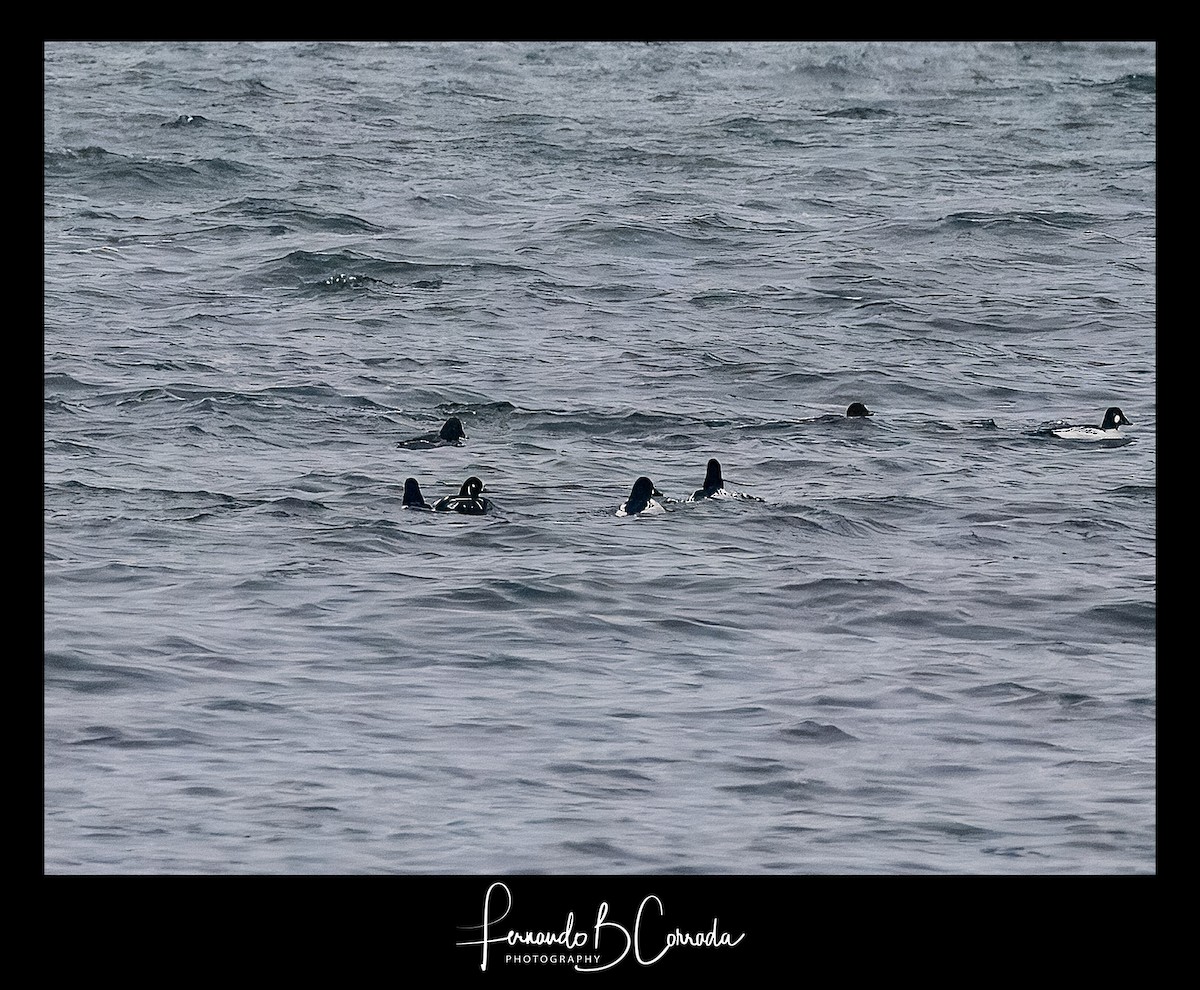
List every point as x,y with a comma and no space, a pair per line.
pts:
470,501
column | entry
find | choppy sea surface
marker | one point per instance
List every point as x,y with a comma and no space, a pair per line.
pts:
929,648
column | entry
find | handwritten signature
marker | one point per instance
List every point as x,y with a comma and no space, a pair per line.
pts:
570,941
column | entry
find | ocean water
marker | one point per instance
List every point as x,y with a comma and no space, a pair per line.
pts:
929,648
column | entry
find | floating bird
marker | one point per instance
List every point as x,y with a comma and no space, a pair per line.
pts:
714,485
641,499
450,435
413,499
1113,418
712,481
468,501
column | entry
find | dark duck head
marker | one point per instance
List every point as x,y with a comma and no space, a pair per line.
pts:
712,480
453,431
641,496
1113,417
412,495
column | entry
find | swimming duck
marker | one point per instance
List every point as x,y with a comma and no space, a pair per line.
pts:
468,501
413,499
858,409
450,435
641,499
1113,418
712,481
714,485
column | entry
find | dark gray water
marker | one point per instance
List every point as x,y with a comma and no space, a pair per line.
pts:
930,648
